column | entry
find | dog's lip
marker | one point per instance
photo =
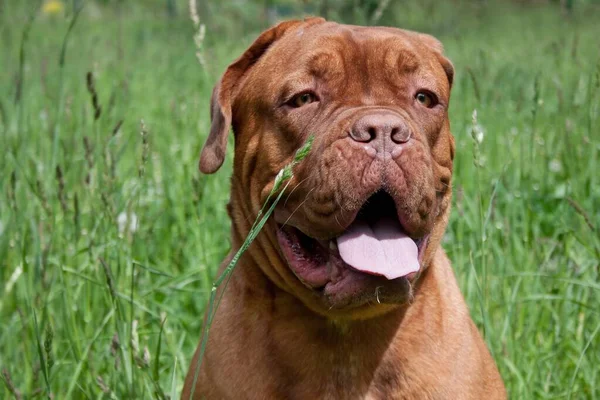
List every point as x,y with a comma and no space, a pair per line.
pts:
283,218
343,222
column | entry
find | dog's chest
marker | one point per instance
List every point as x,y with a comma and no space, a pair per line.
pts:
344,375
346,378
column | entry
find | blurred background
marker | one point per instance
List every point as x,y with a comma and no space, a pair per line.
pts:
110,237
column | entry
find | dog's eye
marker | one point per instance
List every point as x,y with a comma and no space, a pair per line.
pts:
427,99
302,99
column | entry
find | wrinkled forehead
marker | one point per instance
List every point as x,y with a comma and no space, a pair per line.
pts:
336,53
331,35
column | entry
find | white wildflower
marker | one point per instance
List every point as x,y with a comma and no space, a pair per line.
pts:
127,222
560,191
477,132
555,166
476,129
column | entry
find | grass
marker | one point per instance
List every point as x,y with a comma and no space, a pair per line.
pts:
110,237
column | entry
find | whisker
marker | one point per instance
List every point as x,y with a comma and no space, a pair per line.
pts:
337,201
377,293
296,209
292,191
338,222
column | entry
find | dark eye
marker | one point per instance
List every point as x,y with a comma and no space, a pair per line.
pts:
302,99
427,99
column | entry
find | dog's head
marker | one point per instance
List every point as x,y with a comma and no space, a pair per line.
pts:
365,212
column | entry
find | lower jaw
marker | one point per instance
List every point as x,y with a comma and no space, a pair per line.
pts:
365,290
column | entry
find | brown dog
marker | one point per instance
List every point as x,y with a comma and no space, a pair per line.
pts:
346,293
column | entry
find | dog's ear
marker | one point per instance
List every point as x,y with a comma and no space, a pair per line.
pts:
223,95
438,49
448,68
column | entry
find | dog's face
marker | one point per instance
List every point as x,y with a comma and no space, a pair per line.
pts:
365,212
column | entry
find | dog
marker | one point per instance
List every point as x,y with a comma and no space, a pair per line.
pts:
346,293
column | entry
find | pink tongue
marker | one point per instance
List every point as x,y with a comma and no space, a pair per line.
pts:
381,248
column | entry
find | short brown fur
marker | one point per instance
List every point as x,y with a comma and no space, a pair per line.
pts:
276,336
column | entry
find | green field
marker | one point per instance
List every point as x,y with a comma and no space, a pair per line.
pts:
107,229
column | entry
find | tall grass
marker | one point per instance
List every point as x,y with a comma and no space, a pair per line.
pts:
110,238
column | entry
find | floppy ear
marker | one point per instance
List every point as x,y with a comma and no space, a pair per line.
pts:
438,49
448,68
213,153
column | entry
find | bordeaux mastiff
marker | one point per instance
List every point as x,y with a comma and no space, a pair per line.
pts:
346,293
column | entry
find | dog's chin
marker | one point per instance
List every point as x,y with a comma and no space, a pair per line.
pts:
344,280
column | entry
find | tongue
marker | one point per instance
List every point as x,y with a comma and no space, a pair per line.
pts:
381,248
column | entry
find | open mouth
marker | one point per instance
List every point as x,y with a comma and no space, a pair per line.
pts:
374,244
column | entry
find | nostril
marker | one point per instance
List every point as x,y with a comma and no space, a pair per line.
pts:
400,135
361,135
372,133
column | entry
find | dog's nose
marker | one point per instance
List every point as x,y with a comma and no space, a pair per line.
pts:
382,131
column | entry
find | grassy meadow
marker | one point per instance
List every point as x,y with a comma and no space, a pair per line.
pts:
110,237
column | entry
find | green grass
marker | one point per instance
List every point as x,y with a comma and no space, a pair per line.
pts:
524,236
